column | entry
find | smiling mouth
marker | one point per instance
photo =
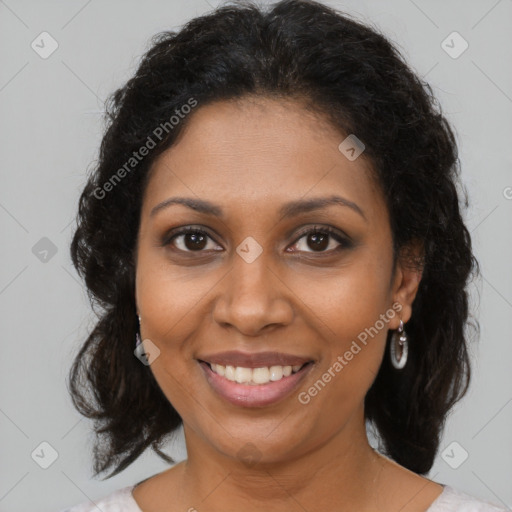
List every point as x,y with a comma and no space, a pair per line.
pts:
255,376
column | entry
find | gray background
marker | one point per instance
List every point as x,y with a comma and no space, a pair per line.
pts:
50,111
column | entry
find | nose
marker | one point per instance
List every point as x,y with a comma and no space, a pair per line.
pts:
253,298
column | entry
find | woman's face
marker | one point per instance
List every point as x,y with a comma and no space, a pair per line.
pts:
254,291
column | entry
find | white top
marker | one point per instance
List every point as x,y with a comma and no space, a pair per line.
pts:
450,500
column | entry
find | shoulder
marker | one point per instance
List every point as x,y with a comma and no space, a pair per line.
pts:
119,501
454,500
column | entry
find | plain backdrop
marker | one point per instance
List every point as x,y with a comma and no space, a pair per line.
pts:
50,130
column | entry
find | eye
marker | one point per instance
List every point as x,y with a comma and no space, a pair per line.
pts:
323,239
319,240
191,240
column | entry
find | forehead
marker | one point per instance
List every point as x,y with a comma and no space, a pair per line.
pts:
259,153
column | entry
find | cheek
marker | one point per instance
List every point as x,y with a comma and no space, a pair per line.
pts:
168,298
352,311
350,360
168,313
171,304
347,300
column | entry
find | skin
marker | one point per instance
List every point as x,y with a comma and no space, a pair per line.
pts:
249,157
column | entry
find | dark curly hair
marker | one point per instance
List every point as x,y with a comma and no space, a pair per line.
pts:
356,78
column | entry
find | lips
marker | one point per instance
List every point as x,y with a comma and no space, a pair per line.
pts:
255,360
244,395
244,390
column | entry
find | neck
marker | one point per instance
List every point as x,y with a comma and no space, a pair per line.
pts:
341,473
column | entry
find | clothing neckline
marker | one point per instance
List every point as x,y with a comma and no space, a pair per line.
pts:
432,508
440,498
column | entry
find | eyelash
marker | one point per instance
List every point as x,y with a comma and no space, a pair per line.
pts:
327,230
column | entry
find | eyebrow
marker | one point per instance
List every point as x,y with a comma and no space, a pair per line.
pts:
289,209
308,205
199,205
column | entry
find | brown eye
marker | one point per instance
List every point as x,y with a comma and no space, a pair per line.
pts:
321,240
318,241
195,241
191,240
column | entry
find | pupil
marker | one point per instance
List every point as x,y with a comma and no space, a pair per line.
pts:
197,241
319,241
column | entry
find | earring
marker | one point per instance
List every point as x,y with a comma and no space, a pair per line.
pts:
399,347
138,341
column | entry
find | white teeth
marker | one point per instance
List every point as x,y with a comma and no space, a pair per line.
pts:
260,375
253,376
229,373
243,374
221,370
276,373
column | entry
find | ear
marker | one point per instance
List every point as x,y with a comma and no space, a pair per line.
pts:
409,270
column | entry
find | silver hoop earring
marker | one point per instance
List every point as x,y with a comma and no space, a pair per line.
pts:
399,347
138,341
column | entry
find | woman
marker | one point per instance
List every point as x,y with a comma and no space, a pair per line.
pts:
273,233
